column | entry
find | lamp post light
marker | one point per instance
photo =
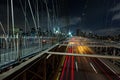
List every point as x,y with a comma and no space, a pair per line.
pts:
70,34
57,34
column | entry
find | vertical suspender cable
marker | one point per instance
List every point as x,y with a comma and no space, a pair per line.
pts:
8,28
25,24
57,12
8,17
13,27
25,17
53,14
41,24
48,15
37,13
24,12
53,8
12,13
37,2
33,17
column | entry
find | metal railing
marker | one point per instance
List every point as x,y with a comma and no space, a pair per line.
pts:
14,49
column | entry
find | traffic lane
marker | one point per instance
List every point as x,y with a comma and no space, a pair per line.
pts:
67,68
86,70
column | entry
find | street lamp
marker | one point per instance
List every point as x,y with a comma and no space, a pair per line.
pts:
56,31
70,34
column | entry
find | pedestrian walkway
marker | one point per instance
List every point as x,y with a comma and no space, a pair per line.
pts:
114,68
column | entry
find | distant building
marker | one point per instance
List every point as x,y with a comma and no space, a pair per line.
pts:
78,32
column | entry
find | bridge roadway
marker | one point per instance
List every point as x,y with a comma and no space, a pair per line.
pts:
86,68
82,68
73,68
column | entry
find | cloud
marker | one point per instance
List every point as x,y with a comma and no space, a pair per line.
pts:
116,8
75,20
116,16
63,22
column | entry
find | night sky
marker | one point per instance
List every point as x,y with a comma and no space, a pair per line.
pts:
97,16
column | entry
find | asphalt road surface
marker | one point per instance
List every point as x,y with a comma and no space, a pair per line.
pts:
82,68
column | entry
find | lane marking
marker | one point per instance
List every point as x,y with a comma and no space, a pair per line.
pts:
108,66
76,65
59,46
101,68
93,68
48,56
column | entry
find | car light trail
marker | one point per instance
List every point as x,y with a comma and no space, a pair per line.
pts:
72,71
64,66
76,50
63,70
84,50
72,49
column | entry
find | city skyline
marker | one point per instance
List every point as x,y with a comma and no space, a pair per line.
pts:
97,16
